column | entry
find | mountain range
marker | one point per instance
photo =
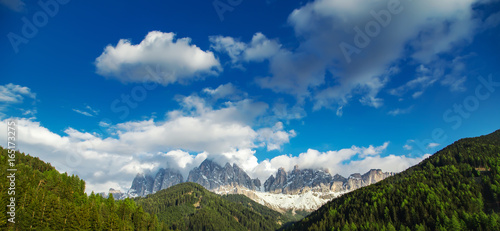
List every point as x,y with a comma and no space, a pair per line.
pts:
298,189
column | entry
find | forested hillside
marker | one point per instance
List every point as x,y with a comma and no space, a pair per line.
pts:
48,200
189,206
455,189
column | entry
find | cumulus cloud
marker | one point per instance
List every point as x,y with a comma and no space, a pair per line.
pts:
181,141
336,38
275,137
197,127
225,91
371,150
106,162
258,49
261,48
391,163
180,60
338,162
230,46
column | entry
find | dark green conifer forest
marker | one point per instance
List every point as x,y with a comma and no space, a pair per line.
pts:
49,200
458,188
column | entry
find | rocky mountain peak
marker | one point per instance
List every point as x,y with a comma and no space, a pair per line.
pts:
212,176
166,178
141,185
300,180
209,165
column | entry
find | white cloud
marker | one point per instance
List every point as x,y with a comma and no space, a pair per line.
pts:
275,137
258,49
425,78
114,162
432,145
421,33
88,111
391,163
94,111
408,147
83,113
228,45
371,150
178,58
11,93
417,94
225,91
197,127
104,124
337,162
399,111
261,48
225,134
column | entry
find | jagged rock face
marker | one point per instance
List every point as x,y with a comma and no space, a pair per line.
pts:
357,180
146,184
166,178
340,178
298,181
142,185
375,175
212,176
269,184
209,174
276,184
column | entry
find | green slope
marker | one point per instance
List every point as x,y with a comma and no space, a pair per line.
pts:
48,200
189,206
458,188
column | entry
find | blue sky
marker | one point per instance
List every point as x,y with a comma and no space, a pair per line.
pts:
109,89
